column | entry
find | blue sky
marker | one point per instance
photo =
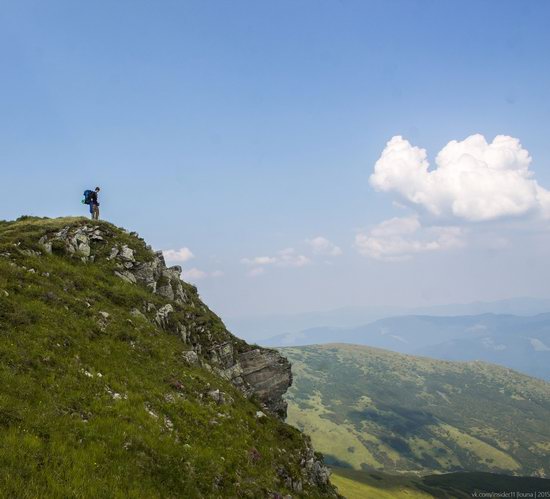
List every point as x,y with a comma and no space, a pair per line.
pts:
242,129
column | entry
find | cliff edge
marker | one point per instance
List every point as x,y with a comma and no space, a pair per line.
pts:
257,372
117,380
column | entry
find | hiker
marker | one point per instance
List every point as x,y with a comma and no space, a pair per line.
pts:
90,197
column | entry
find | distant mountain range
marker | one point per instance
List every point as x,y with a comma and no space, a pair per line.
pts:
372,409
259,327
518,342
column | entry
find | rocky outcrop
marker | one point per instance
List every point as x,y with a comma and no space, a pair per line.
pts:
154,274
77,241
258,372
270,374
313,472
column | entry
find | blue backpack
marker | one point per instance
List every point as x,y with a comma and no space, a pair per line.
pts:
87,197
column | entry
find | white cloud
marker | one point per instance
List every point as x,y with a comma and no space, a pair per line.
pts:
400,238
473,180
194,274
396,226
181,255
259,260
289,258
322,246
217,273
284,258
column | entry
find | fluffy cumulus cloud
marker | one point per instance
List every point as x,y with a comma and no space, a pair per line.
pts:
322,246
180,256
285,258
473,180
400,238
473,183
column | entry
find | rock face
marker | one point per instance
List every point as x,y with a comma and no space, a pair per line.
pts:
257,372
270,374
316,473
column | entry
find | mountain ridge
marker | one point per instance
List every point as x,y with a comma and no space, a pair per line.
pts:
518,342
261,327
117,380
379,410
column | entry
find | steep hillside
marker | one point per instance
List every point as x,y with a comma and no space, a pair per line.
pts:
378,410
117,381
518,342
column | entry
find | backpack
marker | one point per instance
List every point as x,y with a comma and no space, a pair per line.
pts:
87,197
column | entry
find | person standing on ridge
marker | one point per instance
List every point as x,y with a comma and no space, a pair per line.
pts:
94,204
90,198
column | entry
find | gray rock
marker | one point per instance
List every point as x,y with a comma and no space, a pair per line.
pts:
45,244
162,315
167,291
216,396
190,357
172,273
222,354
269,375
183,332
136,313
77,241
153,274
127,276
149,273
114,253
233,373
315,471
127,254
84,249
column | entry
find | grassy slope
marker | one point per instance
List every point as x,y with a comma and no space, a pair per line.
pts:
106,408
375,409
355,484
362,486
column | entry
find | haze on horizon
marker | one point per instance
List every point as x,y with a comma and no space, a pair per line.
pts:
293,156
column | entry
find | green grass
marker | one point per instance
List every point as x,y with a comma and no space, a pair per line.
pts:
353,484
371,409
106,408
362,485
